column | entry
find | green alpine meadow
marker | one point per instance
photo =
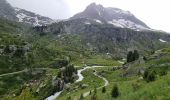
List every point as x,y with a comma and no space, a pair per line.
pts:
100,53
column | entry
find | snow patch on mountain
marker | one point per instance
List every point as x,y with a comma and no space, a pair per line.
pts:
127,24
87,23
98,21
32,18
36,21
162,41
21,16
110,15
24,18
115,24
119,11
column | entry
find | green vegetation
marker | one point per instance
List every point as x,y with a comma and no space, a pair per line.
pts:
81,97
35,85
149,75
134,88
152,84
35,63
94,96
25,49
132,56
115,91
104,89
67,73
89,82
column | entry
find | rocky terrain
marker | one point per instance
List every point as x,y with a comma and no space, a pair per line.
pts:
21,15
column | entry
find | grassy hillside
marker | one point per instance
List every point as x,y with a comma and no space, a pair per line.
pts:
22,49
132,86
30,59
26,86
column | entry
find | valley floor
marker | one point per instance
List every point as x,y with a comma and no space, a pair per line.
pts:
131,88
21,86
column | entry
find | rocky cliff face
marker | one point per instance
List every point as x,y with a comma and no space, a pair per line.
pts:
7,11
31,18
21,15
113,16
106,38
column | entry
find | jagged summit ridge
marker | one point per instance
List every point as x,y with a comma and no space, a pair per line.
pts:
114,16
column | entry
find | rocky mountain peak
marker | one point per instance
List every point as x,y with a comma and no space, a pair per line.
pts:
110,15
94,6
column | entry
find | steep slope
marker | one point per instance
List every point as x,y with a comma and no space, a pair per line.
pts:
31,18
102,37
21,48
7,11
21,15
114,16
105,38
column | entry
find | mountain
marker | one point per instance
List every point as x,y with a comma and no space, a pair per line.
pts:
7,11
98,35
31,18
108,39
114,16
21,15
38,62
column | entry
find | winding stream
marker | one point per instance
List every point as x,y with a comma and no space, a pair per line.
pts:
53,97
105,80
81,77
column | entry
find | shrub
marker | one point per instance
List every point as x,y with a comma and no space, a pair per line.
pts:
90,92
149,75
69,98
60,63
68,73
144,58
81,97
115,91
132,56
104,89
163,71
135,55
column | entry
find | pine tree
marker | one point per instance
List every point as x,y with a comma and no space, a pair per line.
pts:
130,56
135,55
104,89
146,74
90,92
149,75
115,91
95,90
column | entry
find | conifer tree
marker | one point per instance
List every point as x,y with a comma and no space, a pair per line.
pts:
115,91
